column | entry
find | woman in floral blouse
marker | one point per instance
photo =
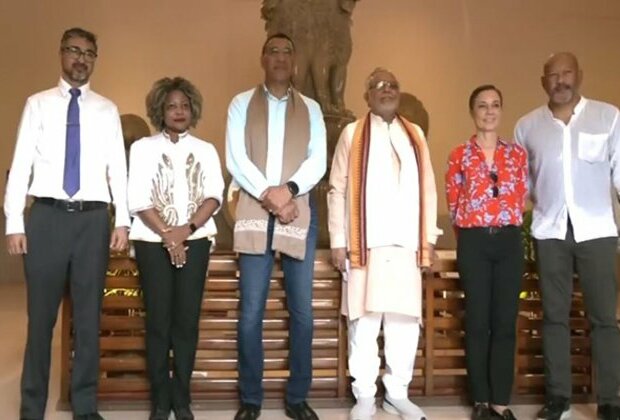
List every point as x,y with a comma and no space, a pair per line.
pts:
486,185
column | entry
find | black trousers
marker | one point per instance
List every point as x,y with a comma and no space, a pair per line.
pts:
63,248
595,261
491,264
172,298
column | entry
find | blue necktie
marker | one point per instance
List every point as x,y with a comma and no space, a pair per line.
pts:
71,180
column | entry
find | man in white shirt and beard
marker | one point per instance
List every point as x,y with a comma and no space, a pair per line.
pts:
383,226
70,141
573,146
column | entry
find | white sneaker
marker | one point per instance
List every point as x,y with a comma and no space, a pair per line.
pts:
403,408
363,409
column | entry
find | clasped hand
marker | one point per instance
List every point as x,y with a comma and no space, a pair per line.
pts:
174,241
279,202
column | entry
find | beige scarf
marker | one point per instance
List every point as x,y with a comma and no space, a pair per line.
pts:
250,235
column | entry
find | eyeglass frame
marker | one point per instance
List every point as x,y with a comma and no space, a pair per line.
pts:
288,51
76,53
385,84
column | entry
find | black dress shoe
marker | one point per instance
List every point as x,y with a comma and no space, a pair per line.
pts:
89,416
248,412
608,412
159,414
555,408
504,415
480,412
301,411
183,413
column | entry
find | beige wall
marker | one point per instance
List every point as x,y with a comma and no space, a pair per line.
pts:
439,49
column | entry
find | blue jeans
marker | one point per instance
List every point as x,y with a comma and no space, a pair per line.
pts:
255,274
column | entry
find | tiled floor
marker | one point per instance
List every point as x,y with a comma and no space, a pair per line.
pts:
12,331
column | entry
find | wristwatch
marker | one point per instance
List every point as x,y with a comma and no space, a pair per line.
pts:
293,188
192,227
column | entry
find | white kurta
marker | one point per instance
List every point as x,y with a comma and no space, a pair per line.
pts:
388,290
391,281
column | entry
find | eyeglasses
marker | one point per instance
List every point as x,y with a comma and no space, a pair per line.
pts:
275,51
76,53
495,190
385,84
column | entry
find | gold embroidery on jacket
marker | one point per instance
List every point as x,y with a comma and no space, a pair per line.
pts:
162,191
195,185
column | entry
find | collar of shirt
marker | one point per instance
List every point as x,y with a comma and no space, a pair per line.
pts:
270,96
182,136
578,108
500,142
65,87
377,119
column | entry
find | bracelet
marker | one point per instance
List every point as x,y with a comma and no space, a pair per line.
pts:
193,227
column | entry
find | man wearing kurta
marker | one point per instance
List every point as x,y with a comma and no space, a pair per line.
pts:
383,226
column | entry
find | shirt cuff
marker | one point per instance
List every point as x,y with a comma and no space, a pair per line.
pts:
15,225
433,236
337,240
121,219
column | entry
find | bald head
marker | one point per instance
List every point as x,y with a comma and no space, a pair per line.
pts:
564,56
561,79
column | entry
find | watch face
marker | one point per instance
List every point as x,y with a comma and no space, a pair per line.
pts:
292,187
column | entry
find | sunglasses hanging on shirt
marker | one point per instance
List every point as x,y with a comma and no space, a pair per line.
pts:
493,176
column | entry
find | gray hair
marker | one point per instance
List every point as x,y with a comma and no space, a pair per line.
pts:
373,74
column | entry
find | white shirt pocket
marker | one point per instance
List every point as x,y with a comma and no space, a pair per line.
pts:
592,147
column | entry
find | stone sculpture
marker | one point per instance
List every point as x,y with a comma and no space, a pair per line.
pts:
321,31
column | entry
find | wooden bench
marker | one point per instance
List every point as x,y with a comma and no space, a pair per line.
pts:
439,376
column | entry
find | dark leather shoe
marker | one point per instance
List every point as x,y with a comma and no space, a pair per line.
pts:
89,416
480,412
301,411
183,413
159,414
504,415
608,412
555,408
248,412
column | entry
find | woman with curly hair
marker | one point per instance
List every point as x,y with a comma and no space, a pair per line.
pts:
175,187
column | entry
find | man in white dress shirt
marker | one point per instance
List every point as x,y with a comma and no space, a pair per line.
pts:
383,219
70,141
573,146
276,152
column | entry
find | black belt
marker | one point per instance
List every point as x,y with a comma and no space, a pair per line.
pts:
71,206
494,230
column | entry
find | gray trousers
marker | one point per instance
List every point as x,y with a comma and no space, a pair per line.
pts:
595,263
64,249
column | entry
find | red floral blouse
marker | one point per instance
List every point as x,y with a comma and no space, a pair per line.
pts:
479,195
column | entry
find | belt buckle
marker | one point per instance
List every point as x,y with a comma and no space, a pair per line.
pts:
73,206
